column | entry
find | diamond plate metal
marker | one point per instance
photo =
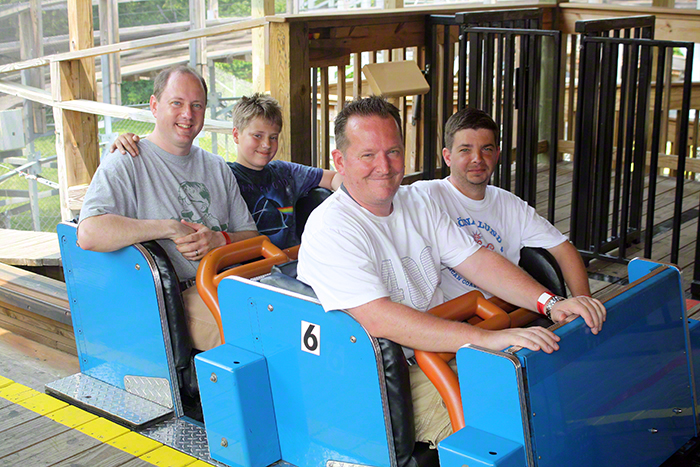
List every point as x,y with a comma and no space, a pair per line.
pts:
115,403
184,436
153,389
332,463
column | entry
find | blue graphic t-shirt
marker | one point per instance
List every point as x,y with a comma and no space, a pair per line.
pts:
271,194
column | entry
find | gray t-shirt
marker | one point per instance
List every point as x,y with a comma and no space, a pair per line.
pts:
198,187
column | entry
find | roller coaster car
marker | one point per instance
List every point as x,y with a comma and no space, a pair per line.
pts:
294,384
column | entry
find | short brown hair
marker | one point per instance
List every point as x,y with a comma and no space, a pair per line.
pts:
364,107
161,80
257,105
469,118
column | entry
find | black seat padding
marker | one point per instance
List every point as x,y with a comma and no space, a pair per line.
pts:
398,385
306,204
183,353
543,267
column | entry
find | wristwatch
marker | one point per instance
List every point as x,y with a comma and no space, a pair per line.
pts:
550,304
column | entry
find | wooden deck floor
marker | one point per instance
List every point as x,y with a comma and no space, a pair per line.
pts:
606,276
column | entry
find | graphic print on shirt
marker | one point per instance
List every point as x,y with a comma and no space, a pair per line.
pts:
422,279
196,200
484,235
269,216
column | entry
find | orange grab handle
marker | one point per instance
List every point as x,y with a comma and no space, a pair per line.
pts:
208,276
519,317
434,364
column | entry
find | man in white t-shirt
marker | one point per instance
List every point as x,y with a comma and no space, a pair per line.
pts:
376,249
496,219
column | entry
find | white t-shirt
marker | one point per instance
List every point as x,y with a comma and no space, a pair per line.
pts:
351,257
501,222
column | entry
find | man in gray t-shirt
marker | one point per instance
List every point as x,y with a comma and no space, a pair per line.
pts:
180,195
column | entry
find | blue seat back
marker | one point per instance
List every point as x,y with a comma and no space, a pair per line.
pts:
117,308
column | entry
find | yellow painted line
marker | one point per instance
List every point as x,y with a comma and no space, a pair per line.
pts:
166,456
5,381
135,444
16,392
42,404
102,429
71,416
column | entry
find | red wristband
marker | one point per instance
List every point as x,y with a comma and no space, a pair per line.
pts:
542,301
226,237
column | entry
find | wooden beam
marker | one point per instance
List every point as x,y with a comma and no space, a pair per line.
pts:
324,127
109,34
140,43
31,37
13,10
77,145
99,108
671,23
669,161
198,52
261,70
290,85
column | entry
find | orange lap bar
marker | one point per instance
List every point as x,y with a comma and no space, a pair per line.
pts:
208,276
435,366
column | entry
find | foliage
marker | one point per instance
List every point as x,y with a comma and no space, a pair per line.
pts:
238,68
136,92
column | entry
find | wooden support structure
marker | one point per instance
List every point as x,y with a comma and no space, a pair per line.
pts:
261,72
76,132
31,46
198,46
289,84
111,64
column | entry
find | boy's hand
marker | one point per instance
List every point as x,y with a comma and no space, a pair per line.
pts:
126,143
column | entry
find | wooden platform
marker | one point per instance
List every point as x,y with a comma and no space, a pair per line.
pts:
607,276
27,248
38,430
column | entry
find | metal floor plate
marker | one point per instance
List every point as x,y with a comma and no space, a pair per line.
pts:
184,436
107,400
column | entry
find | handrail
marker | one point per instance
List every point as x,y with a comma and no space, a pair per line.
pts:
434,364
208,275
140,43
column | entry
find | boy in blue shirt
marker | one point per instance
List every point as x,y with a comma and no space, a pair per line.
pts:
269,187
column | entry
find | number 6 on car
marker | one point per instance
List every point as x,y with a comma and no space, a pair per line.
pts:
311,338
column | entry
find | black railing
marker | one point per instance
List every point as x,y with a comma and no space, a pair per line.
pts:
620,95
500,62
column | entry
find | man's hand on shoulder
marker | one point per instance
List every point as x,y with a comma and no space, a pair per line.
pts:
590,309
127,142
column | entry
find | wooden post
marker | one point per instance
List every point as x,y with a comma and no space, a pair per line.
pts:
30,36
324,136
357,75
261,62
198,47
76,132
31,46
340,103
290,85
111,67
213,9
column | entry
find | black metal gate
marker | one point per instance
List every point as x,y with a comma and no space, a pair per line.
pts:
621,88
499,71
